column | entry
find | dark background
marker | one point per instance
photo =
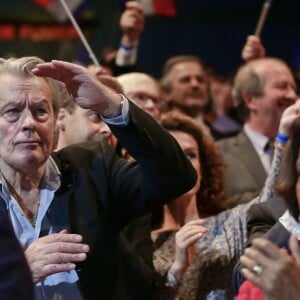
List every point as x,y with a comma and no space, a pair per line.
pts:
215,30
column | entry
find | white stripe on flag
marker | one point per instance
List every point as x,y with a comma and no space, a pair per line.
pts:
57,10
148,7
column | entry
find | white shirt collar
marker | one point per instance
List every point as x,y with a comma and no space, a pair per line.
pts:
257,139
259,142
51,179
290,224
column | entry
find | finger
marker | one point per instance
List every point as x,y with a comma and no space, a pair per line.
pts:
247,261
184,241
249,275
293,108
133,19
40,252
295,248
62,237
188,230
192,230
59,258
195,222
252,257
44,68
57,69
253,39
134,5
183,235
198,221
65,247
191,240
66,65
266,248
247,54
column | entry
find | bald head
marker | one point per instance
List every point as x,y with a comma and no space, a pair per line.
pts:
252,76
263,89
143,89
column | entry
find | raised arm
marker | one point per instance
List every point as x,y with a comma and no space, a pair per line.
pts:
84,88
163,172
286,121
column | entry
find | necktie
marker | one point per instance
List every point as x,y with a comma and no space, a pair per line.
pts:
269,149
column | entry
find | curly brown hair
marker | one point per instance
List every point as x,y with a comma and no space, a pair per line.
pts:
212,194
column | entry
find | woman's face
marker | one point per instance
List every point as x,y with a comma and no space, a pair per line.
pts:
190,147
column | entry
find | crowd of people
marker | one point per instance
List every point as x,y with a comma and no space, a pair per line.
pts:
118,185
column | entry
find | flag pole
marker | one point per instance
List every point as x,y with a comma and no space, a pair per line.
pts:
82,37
262,17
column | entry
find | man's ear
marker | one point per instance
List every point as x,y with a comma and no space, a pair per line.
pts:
61,117
249,100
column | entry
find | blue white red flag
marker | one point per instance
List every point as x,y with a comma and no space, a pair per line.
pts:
159,7
55,7
165,8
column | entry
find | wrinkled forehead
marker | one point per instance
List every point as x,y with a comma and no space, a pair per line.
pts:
273,68
14,86
188,67
141,85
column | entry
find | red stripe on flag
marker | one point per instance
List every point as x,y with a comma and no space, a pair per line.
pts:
43,3
164,8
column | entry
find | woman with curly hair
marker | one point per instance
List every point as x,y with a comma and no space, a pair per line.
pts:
199,146
196,242
185,215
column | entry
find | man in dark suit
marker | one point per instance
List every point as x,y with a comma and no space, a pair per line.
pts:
15,277
263,88
78,125
68,208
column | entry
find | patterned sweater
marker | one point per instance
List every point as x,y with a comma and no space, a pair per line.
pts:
209,275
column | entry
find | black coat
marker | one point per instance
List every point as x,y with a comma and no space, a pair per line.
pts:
15,277
101,193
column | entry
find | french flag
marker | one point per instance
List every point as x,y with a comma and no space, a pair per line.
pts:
55,7
164,8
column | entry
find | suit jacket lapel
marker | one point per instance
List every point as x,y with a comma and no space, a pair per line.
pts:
61,204
250,158
65,211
